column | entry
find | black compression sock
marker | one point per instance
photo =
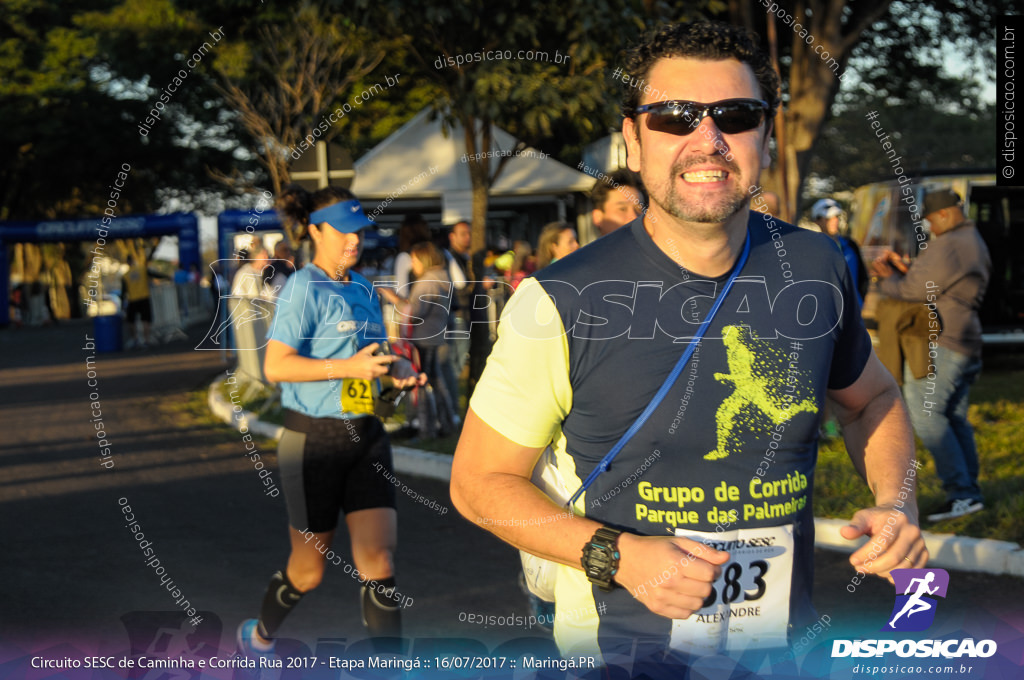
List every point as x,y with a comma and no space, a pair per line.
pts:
382,615
280,598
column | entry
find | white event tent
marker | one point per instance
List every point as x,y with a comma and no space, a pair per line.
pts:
419,168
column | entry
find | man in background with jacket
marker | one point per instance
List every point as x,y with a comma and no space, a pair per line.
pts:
949,276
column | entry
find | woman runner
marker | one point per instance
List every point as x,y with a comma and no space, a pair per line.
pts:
334,452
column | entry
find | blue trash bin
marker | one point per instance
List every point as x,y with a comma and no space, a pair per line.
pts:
108,332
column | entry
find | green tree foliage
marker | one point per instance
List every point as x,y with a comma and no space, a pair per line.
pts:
890,54
934,119
282,77
289,78
78,78
926,137
532,99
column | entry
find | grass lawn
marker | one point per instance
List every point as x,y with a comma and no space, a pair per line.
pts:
997,414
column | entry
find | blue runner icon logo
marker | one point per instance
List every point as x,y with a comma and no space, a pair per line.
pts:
914,609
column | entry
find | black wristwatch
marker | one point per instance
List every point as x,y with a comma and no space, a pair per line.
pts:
601,558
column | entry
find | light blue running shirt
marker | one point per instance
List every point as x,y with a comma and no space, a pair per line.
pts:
326,319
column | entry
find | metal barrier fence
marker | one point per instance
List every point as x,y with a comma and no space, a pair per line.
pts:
177,307
250,321
166,316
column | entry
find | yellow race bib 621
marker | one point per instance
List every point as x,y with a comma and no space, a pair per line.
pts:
357,395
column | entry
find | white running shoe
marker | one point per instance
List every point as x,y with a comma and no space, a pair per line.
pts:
956,508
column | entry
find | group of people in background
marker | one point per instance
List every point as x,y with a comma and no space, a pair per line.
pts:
455,336
258,274
30,305
929,332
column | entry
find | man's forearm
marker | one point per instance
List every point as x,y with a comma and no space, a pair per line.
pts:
913,286
880,442
519,513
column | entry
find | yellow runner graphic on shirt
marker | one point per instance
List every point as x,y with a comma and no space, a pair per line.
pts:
767,388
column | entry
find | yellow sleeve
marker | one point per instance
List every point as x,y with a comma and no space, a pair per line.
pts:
524,392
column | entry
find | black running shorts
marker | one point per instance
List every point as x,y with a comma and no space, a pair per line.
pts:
332,465
142,308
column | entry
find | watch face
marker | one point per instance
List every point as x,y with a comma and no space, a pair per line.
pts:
601,558
598,560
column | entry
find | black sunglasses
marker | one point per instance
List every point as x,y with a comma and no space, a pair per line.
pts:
679,117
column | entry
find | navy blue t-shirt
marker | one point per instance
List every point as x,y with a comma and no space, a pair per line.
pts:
734,443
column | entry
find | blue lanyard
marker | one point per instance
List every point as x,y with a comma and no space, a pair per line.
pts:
669,381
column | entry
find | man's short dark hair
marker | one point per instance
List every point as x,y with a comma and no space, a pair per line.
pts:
711,40
451,229
607,184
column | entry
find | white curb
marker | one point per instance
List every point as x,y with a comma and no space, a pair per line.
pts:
422,463
407,460
224,410
945,550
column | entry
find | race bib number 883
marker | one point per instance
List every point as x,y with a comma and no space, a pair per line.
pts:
749,603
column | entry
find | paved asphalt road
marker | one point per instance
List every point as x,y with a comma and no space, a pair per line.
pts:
74,576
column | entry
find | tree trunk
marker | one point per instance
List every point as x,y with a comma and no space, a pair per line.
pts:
481,198
814,82
479,174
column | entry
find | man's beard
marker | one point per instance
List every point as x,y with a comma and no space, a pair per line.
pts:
706,211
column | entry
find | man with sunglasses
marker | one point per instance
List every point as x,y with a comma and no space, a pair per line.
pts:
709,550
